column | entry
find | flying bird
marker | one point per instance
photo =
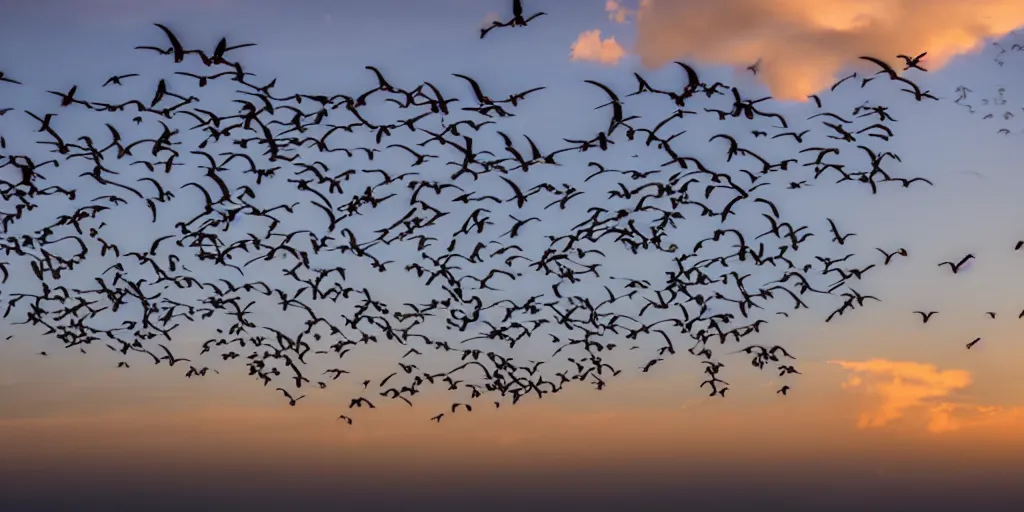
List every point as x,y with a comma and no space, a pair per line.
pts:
955,267
925,316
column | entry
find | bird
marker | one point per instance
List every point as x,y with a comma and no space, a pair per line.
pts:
889,256
177,50
836,237
972,343
784,390
955,267
5,79
785,369
222,47
886,68
518,19
171,360
291,401
913,62
116,79
925,316
359,402
67,98
517,14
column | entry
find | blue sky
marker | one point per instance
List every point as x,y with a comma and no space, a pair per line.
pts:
322,47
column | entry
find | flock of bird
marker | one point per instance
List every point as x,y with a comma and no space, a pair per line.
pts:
993,107
185,227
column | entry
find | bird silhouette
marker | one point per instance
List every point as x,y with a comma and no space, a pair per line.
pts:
925,316
955,267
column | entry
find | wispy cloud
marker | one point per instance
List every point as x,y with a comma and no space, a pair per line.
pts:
904,389
804,44
947,417
617,12
590,47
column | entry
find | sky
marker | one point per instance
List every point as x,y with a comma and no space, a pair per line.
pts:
888,412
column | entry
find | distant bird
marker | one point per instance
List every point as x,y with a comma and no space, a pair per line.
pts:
171,360
517,14
116,79
291,401
971,344
889,256
66,99
913,62
784,369
784,390
176,49
836,237
518,19
925,316
358,402
955,267
222,47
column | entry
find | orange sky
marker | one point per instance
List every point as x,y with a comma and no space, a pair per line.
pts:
874,416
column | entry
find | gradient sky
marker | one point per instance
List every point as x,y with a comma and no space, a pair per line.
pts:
888,412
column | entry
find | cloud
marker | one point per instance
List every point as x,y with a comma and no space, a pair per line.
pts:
590,47
617,12
805,44
947,417
904,387
620,13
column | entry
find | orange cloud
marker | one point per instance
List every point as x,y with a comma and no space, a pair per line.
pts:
805,44
947,417
616,11
904,387
590,47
